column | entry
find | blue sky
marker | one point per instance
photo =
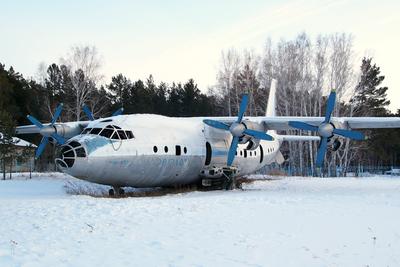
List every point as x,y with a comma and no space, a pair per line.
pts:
178,40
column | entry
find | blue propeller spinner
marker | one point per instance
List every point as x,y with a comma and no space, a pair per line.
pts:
90,116
326,130
238,130
47,131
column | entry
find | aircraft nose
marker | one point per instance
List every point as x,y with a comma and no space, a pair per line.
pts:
68,154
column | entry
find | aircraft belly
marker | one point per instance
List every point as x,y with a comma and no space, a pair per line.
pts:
145,170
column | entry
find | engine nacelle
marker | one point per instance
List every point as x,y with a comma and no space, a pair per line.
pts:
68,130
252,143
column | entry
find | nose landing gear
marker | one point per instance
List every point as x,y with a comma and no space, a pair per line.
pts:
116,191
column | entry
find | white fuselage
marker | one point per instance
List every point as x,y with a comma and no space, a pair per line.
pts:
163,151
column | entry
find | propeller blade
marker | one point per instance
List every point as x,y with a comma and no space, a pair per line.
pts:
216,124
259,135
321,152
350,134
41,147
35,121
118,112
88,113
58,138
330,105
243,107
232,150
303,126
57,113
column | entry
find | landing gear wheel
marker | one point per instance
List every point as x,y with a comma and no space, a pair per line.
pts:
121,191
230,183
116,191
111,192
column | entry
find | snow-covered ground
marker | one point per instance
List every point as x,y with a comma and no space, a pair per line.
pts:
288,222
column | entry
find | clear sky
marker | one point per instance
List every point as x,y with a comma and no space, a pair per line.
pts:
177,40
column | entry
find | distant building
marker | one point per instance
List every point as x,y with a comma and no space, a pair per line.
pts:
25,165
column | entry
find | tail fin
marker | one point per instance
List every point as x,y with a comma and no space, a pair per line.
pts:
270,112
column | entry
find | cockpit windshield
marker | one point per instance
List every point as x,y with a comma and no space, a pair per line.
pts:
110,131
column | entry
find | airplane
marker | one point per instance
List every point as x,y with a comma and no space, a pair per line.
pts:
148,150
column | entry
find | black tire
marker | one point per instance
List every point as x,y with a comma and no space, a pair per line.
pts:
121,191
111,192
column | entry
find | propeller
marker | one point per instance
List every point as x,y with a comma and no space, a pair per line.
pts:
237,129
90,116
47,131
326,129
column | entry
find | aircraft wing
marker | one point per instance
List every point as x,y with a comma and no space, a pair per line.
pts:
282,123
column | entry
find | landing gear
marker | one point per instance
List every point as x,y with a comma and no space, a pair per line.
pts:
116,191
336,145
220,178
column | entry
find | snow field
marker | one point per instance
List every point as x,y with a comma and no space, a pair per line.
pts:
287,222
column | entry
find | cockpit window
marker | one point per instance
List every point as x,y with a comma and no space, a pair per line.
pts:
95,131
129,134
110,131
122,134
107,132
115,136
87,130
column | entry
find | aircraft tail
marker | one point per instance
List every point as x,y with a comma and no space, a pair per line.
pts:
271,105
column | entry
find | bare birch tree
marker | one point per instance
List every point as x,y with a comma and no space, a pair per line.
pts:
84,65
228,70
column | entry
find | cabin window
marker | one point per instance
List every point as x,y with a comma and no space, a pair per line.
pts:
185,150
208,154
261,154
177,150
241,153
255,153
251,153
155,149
245,153
166,149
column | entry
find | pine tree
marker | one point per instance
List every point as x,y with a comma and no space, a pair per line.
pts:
370,98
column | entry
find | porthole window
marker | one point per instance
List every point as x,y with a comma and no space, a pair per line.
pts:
185,150
166,149
155,149
241,153
255,153
251,153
